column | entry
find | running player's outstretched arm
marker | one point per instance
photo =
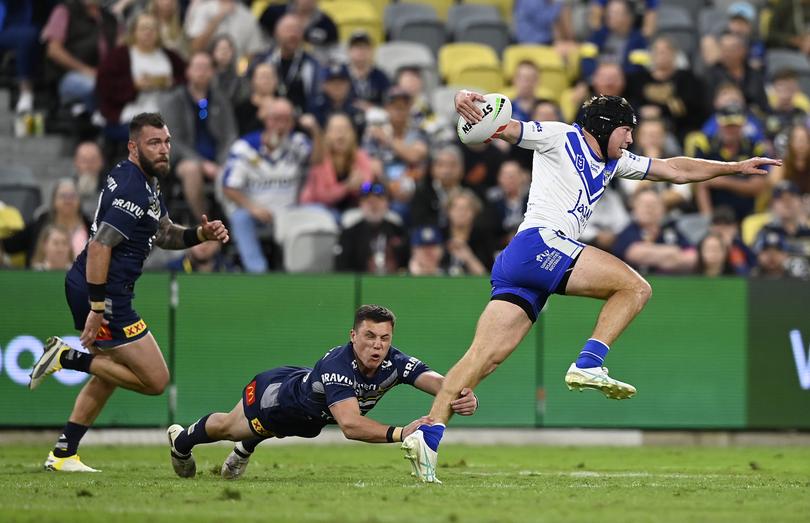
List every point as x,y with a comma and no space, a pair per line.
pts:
682,169
356,426
431,382
173,237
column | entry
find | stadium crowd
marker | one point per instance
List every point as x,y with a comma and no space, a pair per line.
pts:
289,122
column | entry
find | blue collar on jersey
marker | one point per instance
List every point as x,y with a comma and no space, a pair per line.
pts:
595,155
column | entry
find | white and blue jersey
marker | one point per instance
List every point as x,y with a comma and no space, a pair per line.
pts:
568,179
295,401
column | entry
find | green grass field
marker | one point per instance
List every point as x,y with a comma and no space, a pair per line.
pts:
370,483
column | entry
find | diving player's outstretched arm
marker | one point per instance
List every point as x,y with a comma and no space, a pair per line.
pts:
173,237
466,108
356,426
683,169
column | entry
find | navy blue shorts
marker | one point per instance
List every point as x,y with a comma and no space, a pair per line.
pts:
532,267
270,411
125,324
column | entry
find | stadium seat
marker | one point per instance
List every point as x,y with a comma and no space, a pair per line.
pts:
692,7
354,15
777,59
505,7
579,19
710,19
458,56
693,227
460,12
492,33
553,72
486,78
401,12
442,7
25,196
678,24
442,100
391,56
258,6
308,236
428,31
378,5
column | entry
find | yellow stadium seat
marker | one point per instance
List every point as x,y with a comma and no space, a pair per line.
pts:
258,6
505,7
458,56
751,225
378,5
441,6
553,72
485,77
354,15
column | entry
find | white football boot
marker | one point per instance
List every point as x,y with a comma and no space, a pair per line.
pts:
236,463
597,378
423,458
184,465
69,464
49,362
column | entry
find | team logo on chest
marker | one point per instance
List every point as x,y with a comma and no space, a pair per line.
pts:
593,180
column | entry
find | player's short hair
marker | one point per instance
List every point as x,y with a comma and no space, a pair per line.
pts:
374,313
145,120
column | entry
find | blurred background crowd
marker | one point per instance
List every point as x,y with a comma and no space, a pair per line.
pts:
323,132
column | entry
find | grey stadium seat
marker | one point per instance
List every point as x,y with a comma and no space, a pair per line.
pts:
397,13
492,33
676,22
308,236
461,12
24,196
391,56
429,31
693,7
777,59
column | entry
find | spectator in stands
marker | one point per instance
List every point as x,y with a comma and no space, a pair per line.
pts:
796,167
784,111
724,223
170,25
53,252
772,255
647,9
616,40
608,79
547,111
203,128
409,79
369,83
18,32
226,77
728,95
203,257
788,217
789,23
345,168
263,84
375,243
427,251
64,211
507,201
88,164
296,69
542,22
732,67
206,19
263,175
429,205
78,36
740,20
737,191
676,92
133,77
525,81
319,30
713,257
469,247
481,165
651,245
398,147
335,97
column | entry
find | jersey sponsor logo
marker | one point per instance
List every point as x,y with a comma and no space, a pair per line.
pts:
581,211
537,127
365,386
135,329
250,392
128,207
412,363
549,259
259,428
104,334
333,378
111,185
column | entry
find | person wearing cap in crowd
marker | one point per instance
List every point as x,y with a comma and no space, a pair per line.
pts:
772,255
788,107
335,96
373,239
369,83
732,67
320,30
724,224
787,216
572,166
740,19
738,191
427,250
432,191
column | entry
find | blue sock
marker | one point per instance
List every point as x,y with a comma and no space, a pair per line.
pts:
194,435
593,354
433,435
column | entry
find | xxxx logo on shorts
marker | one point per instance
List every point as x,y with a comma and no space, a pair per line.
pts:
104,334
135,329
259,428
250,393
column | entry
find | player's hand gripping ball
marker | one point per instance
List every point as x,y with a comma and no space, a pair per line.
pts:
497,111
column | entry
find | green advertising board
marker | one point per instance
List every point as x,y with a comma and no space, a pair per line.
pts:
779,363
34,308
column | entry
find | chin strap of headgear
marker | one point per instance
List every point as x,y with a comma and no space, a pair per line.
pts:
602,114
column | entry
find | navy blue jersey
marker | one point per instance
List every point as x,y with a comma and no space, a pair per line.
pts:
132,205
336,377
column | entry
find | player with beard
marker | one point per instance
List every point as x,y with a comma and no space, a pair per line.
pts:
131,216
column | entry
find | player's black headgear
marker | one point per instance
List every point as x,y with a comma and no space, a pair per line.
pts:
602,114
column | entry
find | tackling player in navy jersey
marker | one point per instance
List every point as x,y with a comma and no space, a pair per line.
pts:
130,218
341,388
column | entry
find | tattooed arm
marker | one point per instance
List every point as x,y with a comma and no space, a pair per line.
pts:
170,235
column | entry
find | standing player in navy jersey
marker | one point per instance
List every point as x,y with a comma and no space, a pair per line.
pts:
130,218
341,389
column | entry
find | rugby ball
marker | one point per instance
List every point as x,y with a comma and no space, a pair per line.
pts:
497,111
